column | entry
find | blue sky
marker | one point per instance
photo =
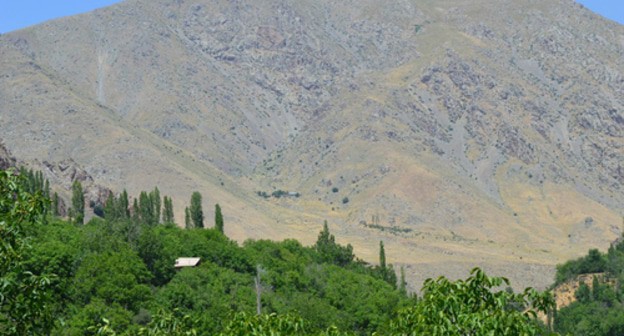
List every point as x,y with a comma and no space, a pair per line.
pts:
612,9
16,14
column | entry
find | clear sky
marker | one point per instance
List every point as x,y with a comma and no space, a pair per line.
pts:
16,14
611,9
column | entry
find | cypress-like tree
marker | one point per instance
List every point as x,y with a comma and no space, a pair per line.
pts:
382,256
46,189
386,272
196,212
331,252
124,205
78,202
146,209
55,204
136,217
156,203
187,219
218,218
111,211
324,240
583,293
167,216
39,181
596,289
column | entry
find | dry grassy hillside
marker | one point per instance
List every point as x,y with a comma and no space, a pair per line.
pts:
460,133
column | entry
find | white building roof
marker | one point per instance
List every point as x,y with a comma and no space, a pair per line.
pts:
186,262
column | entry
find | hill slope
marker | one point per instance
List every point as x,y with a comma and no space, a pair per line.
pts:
460,133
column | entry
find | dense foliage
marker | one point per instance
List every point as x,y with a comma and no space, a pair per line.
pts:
593,262
115,276
25,295
599,309
471,307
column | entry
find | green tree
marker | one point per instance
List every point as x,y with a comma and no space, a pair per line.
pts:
331,252
78,203
187,218
115,277
218,218
583,293
124,205
88,319
173,323
211,291
146,209
116,208
382,256
593,262
110,207
158,259
136,211
470,307
271,324
55,204
384,271
163,323
24,297
196,212
156,203
359,302
167,216
596,288
46,189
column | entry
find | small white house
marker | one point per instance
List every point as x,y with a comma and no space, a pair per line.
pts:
186,262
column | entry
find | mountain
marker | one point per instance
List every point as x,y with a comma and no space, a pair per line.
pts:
459,133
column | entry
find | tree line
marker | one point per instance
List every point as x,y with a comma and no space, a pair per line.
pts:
149,208
115,275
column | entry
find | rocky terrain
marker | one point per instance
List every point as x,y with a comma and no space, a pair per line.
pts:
460,133
6,160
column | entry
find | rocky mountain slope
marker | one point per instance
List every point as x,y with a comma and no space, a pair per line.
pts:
460,133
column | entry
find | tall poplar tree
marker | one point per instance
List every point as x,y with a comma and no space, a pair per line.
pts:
167,216
386,272
187,219
146,209
124,204
136,217
382,256
78,202
196,212
111,210
156,203
218,218
55,204
46,189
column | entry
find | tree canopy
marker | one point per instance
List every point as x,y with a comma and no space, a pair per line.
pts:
115,276
25,296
